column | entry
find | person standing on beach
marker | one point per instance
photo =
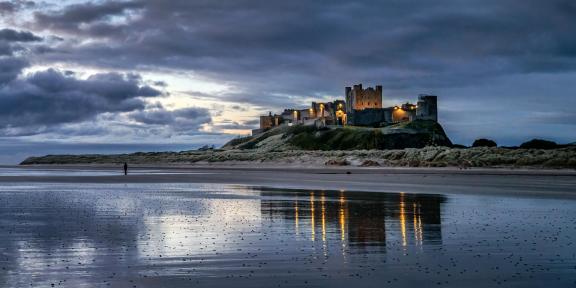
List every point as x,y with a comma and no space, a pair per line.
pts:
125,168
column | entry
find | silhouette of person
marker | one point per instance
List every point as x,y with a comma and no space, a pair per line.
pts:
125,168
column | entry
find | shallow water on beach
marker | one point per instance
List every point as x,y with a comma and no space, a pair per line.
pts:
192,235
38,171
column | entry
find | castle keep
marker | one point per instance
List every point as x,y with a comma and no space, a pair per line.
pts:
360,99
362,107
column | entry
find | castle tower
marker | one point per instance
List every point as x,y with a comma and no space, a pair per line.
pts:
427,108
358,98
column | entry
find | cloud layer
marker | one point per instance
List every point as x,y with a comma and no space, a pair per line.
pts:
400,43
49,98
494,63
63,104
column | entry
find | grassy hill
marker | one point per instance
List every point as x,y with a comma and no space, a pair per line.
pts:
415,134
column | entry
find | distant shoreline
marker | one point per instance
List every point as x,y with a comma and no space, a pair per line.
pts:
479,157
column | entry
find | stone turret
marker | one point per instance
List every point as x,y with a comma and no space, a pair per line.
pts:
427,108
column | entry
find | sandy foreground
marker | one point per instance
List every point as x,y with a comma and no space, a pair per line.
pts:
547,183
88,226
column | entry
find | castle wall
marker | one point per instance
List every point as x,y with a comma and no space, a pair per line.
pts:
400,115
370,117
269,121
406,112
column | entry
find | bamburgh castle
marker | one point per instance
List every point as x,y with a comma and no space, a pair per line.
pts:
362,107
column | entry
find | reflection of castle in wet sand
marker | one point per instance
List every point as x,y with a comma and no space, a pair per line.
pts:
357,218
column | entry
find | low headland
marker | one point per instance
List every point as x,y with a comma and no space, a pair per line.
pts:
417,143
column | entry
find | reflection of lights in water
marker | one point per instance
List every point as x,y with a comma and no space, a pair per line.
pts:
342,218
402,219
296,224
420,228
323,199
417,224
312,220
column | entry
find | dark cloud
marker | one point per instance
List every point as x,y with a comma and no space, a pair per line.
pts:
7,7
12,35
10,68
6,49
414,37
239,108
88,16
236,125
11,41
47,98
180,121
10,7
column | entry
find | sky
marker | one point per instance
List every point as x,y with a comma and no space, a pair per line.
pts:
152,75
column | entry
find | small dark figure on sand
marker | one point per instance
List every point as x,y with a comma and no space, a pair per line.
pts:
125,168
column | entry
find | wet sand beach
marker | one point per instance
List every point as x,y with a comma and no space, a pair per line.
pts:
222,227
551,183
